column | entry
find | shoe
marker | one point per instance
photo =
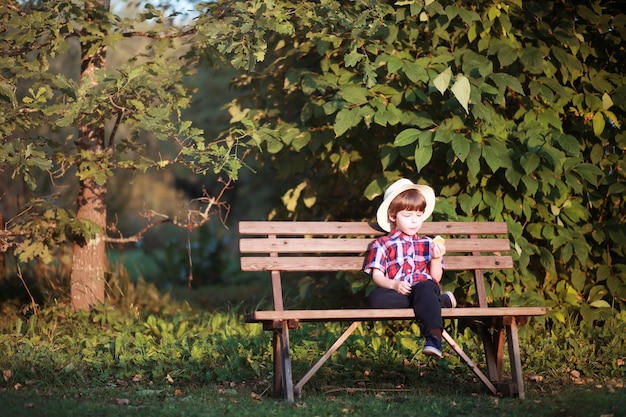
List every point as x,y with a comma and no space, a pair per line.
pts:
432,346
447,300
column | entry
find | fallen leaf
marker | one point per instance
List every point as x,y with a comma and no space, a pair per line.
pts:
122,401
137,378
17,386
29,405
256,396
169,379
7,374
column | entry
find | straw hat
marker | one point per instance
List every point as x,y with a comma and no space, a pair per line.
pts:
394,190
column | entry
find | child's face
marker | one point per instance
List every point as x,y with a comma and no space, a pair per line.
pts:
408,221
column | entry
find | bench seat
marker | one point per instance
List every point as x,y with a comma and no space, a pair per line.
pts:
366,314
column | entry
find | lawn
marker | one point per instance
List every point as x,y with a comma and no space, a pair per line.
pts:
240,400
171,358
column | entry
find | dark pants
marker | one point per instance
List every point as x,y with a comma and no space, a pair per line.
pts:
424,300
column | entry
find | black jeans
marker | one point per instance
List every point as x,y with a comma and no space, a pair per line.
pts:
424,300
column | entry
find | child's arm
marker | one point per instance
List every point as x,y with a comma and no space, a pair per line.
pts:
382,281
435,266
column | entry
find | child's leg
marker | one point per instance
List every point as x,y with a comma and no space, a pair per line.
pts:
386,298
427,307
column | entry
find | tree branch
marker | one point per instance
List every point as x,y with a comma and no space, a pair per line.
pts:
194,218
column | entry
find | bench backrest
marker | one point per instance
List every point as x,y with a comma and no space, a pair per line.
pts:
277,246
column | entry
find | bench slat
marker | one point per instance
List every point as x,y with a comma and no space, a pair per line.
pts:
289,228
355,263
389,314
357,245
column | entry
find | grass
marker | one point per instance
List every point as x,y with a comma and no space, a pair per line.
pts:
242,400
66,364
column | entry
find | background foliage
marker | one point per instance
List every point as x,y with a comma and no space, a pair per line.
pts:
512,110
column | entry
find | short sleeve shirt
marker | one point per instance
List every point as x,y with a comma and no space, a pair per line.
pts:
401,257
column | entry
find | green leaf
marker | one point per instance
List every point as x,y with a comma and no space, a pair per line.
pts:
578,280
473,159
461,146
375,188
589,173
461,90
274,145
598,123
547,259
530,161
353,94
532,185
442,81
569,62
388,156
493,157
416,73
607,102
532,59
504,81
406,137
423,155
346,119
353,58
600,304
569,144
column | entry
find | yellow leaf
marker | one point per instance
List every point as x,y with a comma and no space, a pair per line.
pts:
598,124
461,90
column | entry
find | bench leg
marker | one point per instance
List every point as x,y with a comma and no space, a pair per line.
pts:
286,360
327,355
283,379
514,355
493,344
469,363
278,363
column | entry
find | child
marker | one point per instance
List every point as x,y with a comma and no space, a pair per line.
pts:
407,267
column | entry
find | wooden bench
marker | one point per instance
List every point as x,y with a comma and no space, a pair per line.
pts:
278,247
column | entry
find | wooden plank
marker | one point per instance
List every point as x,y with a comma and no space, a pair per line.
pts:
277,345
515,357
357,245
286,361
389,314
291,228
355,263
325,357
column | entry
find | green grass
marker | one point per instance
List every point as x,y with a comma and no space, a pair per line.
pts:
241,400
116,361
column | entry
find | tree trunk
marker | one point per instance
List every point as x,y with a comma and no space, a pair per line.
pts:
89,260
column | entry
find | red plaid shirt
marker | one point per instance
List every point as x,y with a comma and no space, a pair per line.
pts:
401,257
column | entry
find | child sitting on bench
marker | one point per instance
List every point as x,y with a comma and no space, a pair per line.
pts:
407,267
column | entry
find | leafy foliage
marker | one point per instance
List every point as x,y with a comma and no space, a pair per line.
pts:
158,342
512,110
70,120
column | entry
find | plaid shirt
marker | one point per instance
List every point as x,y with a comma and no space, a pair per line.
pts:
401,257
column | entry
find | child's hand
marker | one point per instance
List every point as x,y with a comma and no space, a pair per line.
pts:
439,247
403,287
